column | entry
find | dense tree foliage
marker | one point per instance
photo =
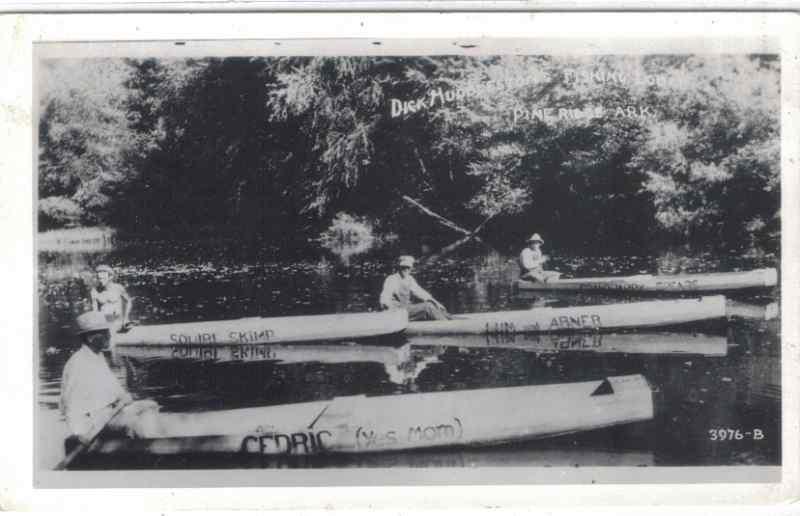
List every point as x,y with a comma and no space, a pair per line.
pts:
596,152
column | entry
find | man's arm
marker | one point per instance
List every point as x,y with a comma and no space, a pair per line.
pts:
419,292
127,304
424,295
387,294
94,301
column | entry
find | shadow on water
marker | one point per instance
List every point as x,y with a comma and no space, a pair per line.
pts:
704,379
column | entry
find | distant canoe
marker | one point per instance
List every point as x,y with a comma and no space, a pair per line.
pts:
644,314
267,330
651,343
359,424
707,282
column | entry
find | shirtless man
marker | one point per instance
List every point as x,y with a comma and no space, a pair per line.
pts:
111,299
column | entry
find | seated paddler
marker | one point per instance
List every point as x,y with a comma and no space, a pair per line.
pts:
400,290
532,260
92,398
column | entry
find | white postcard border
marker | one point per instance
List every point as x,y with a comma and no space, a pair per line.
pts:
20,302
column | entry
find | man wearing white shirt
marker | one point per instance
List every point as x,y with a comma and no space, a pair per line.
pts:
91,395
532,260
401,289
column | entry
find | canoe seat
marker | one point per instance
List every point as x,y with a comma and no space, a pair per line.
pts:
604,388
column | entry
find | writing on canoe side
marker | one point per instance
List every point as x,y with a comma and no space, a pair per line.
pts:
562,322
367,438
555,342
237,337
682,284
670,284
611,285
296,443
232,352
313,442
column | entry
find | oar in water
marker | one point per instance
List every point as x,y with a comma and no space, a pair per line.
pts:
83,447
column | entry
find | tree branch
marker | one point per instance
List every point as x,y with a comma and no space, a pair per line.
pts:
442,220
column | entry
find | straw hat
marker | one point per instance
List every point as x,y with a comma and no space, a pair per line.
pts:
90,322
536,238
104,268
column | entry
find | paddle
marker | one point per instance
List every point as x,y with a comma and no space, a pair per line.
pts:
83,447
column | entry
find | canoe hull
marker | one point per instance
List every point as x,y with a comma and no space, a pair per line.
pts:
266,330
644,314
711,282
360,424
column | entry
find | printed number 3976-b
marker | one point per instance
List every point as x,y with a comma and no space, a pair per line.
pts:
735,434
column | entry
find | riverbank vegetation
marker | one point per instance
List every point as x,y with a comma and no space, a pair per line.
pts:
595,153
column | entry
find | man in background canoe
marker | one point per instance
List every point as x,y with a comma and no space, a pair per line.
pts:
400,288
531,262
111,299
91,396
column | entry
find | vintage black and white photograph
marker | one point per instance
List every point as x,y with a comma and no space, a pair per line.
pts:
375,259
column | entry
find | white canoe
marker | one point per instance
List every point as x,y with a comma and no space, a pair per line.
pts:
662,343
707,282
358,424
645,314
261,330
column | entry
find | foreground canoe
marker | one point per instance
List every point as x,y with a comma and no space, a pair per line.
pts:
261,330
653,343
645,314
708,282
358,424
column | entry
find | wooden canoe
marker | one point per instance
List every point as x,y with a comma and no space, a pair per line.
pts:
645,314
263,330
359,424
652,343
707,282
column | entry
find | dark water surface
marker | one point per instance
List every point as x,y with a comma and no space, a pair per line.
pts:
696,392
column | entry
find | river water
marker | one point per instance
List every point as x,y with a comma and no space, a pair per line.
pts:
728,377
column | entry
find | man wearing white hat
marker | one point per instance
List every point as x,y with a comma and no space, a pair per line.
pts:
531,262
400,288
91,396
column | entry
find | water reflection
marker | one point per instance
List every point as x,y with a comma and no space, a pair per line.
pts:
701,381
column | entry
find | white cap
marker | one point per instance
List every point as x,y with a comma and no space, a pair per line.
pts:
405,261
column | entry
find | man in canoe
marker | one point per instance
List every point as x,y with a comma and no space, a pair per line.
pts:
531,262
111,299
92,398
400,288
